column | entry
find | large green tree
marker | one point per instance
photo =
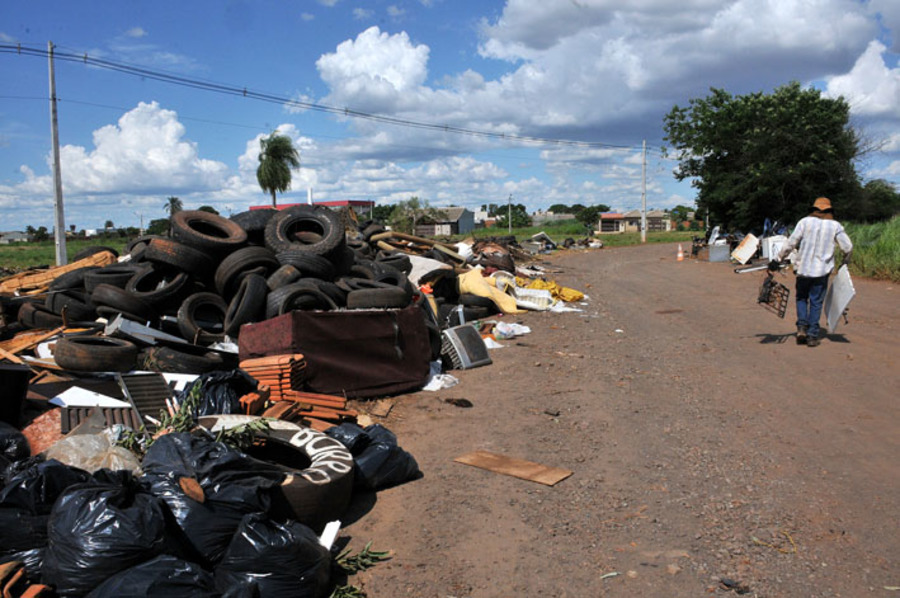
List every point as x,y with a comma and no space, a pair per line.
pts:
517,213
760,156
590,216
277,156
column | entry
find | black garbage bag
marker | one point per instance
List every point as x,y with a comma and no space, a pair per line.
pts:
13,444
383,463
220,391
209,487
351,436
99,528
25,504
282,559
165,576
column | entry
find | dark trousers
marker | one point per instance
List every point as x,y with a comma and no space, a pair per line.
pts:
810,297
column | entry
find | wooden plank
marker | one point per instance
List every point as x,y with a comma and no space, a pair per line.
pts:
519,468
4,354
381,407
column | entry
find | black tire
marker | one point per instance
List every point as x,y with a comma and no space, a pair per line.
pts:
178,255
201,318
316,494
73,304
309,264
137,247
298,295
319,229
207,231
334,292
283,276
248,304
343,259
33,315
382,298
372,229
470,300
89,251
73,279
158,285
363,269
254,224
117,276
236,265
396,278
106,295
395,259
95,353
166,359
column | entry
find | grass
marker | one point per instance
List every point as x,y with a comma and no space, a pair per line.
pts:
18,256
876,249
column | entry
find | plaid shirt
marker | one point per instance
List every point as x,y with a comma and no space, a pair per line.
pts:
815,257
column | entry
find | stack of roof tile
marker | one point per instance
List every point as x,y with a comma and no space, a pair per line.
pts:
283,377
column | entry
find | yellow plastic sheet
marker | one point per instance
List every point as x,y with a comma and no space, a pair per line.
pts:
473,282
559,292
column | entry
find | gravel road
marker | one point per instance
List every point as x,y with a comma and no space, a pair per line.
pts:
711,454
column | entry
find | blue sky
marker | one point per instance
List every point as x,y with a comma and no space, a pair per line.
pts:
598,72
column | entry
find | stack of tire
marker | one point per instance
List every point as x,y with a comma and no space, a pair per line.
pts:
210,276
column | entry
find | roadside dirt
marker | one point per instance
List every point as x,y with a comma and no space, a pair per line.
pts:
711,454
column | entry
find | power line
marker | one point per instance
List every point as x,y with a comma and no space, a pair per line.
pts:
228,89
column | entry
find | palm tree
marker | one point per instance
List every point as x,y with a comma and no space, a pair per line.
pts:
173,205
277,156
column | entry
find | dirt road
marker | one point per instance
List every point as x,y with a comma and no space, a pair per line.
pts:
711,454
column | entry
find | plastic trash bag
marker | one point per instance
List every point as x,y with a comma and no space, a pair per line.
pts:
209,487
99,528
351,436
92,452
25,504
165,576
379,460
220,392
282,559
13,444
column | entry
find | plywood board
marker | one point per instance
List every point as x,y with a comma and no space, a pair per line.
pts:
519,468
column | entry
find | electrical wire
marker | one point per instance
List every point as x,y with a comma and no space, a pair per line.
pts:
233,90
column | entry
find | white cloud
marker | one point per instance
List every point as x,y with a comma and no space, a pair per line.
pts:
871,88
361,14
144,152
136,32
375,71
395,11
7,39
305,16
328,3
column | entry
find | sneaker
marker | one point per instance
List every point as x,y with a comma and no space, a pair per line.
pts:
813,341
801,335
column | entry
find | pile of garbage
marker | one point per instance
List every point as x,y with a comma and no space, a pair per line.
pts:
176,419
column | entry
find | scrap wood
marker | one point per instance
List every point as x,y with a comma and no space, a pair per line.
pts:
319,425
33,282
30,339
4,354
519,468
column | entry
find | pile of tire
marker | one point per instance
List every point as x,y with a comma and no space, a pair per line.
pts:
210,276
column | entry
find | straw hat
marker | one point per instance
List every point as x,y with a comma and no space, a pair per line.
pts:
822,204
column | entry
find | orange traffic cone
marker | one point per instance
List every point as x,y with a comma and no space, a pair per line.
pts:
680,256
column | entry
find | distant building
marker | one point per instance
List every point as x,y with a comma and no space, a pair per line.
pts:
457,221
13,236
360,205
630,222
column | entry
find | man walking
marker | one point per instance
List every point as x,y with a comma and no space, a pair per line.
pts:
816,235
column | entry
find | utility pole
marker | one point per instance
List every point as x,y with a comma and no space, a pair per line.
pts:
644,191
60,228
509,213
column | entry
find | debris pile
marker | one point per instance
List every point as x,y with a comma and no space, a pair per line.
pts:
195,391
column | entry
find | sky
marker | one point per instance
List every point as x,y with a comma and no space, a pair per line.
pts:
540,101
